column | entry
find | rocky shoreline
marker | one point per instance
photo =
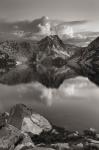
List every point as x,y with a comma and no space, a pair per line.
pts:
22,129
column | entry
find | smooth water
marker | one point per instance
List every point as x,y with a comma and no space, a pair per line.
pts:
74,105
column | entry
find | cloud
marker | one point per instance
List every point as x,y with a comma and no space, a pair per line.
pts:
66,30
38,28
40,24
45,29
73,23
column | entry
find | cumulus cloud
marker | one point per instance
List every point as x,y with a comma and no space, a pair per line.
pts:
42,26
66,30
45,29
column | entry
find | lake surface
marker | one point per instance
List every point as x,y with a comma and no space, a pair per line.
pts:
74,105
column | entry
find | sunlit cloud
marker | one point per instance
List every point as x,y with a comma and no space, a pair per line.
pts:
66,30
45,29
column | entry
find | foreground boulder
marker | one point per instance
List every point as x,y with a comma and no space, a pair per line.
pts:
9,137
23,118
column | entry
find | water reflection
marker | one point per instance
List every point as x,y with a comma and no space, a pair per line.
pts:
74,105
49,76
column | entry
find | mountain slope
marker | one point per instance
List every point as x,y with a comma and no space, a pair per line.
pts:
19,50
51,48
86,61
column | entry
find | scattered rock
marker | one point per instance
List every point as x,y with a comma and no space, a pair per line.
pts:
74,135
91,146
93,141
90,132
79,146
97,136
42,148
24,147
25,143
61,146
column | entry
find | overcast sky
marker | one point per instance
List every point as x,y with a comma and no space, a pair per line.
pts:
56,9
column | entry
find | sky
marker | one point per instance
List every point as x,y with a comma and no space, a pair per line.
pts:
13,10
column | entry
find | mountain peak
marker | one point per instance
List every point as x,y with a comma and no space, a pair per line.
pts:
51,42
51,47
52,38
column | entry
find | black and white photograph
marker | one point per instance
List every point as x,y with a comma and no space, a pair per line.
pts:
49,74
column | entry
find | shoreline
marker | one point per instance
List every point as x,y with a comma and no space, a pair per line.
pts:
25,129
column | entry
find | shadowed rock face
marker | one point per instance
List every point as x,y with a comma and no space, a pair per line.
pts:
93,49
6,60
87,61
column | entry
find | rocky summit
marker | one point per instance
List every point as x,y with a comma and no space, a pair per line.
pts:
22,129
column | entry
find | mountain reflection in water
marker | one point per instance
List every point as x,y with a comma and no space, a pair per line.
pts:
51,77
